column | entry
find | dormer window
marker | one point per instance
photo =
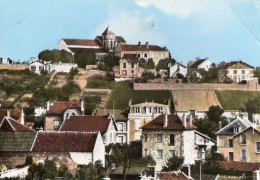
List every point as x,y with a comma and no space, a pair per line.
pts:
160,110
236,129
138,110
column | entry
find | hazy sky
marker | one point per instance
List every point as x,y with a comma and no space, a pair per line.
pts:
221,30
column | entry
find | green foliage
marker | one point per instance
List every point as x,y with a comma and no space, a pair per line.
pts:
108,63
121,98
164,63
252,106
235,100
90,171
83,58
214,113
173,164
72,73
257,73
70,88
210,76
148,75
147,64
92,100
55,56
107,83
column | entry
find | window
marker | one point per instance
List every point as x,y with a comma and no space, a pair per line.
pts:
229,143
160,110
243,72
132,65
159,138
160,154
172,153
145,137
235,129
138,110
150,110
145,55
120,126
124,65
41,68
124,72
132,71
56,123
243,155
33,68
243,139
235,72
230,156
172,139
257,144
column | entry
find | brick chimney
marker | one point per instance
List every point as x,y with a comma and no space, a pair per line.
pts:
7,113
82,106
165,121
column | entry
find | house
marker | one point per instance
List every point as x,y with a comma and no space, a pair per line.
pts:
57,112
128,68
173,175
80,123
167,136
198,64
225,138
141,114
80,147
5,61
235,71
37,66
100,45
8,124
16,114
178,68
143,51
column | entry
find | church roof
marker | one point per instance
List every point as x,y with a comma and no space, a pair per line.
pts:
131,47
82,42
108,31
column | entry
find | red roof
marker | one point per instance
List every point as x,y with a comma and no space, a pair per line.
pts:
173,176
86,124
13,113
65,142
174,123
239,166
8,124
131,57
129,47
59,108
82,42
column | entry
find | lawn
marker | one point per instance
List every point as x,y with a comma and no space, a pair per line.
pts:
107,83
234,100
121,97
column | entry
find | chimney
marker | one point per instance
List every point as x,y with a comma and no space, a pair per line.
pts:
82,106
130,102
48,106
165,121
22,117
219,124
146,44
184,120
190,119
139,43
8,113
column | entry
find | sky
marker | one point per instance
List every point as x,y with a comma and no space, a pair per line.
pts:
222,30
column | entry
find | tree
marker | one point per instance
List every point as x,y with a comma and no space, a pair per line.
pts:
83,58
214,113
108,63
164,63
55,56
257,73
90,171
147,64
173,164
252,106
210,76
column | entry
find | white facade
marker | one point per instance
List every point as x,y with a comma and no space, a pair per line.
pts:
60,67
194,114
239,75
37,67
5,61
205,65
109,136
178,68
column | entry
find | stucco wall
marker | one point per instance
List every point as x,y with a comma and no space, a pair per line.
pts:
189,147
99,150
221,145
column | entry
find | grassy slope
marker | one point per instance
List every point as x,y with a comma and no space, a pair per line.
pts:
121,97
234,100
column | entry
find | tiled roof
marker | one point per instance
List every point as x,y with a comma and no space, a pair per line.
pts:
174,123
95,50
86,124
256,129
59,108
14,113
8,124
131,57
232,63
129,47
65,142
82,42
16,141
239,166
197,63
173,176
228,129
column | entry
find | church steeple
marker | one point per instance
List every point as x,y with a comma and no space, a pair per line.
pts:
108,31
109,39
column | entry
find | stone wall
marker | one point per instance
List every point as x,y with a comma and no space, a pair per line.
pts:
250,86
14,66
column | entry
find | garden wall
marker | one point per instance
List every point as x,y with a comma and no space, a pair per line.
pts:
14,66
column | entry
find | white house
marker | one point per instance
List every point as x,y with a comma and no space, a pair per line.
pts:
60,67
105,124
204,64
5,61
178,68
37,66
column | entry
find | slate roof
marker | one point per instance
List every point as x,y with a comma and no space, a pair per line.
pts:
108,31
131,57
13,113
65,142
59,108
82,42
239,166
256,129
8,124
16,141
174,123
228,129
232,63
174,175
129,47
197,63
86,124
